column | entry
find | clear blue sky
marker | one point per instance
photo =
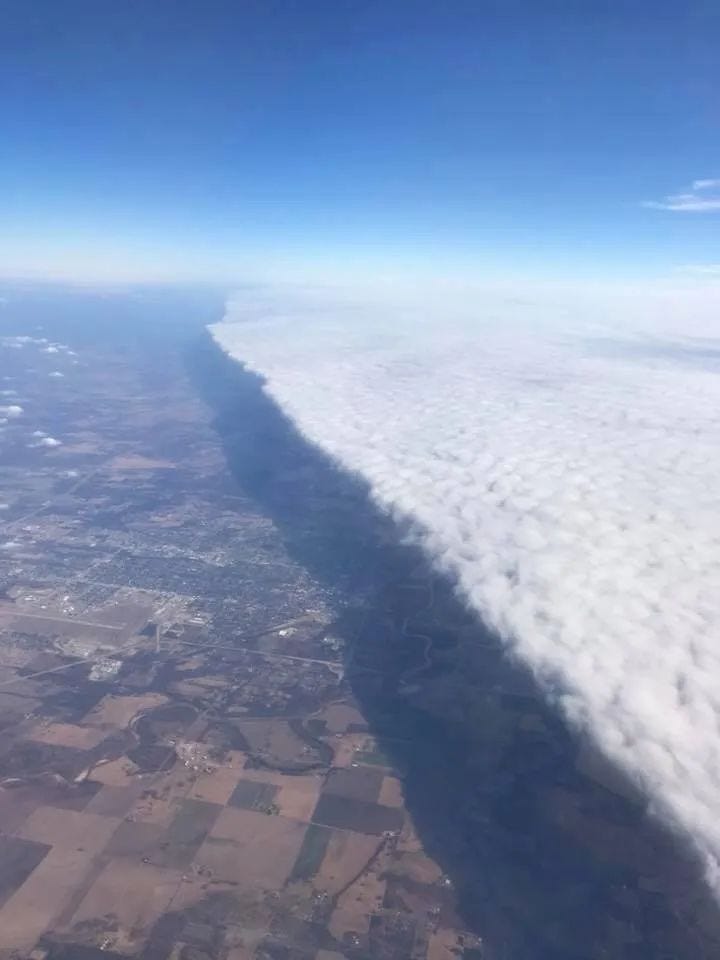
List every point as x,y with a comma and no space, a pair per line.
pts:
214,139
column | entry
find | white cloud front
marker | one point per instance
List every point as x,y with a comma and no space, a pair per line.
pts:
565,471
702,197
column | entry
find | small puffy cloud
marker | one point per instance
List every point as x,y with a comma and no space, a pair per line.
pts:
702,197
51,349
56,373
50,442
39,433
11,411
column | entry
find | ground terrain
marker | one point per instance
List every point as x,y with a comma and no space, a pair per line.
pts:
242,719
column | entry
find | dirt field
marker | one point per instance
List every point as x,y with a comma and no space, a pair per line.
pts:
67,735
115,773
357,905
115,712
443,945
68,829
43,896
217,786
251,849
346,856
339,716
391,794
126,897
275,743
297,797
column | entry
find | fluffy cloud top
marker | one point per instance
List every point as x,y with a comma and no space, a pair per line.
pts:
565,472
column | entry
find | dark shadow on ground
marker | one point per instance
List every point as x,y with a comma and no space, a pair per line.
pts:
550,858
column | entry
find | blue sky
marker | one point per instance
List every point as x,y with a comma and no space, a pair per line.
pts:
224,140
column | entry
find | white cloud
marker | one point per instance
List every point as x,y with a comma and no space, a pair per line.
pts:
563,467
12,411
702,197
50,442
56,373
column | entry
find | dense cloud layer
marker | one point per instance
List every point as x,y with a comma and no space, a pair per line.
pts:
567,474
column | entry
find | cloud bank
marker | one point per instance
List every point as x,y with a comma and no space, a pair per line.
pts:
563,467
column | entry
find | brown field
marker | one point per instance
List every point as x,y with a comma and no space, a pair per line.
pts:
114,712
136,839
42,897
297,797
408,841
251,849
274,741
339,716
419,868
129,895
243,953
67,735
112,801
345,858
391,794
217,786
115,773
68,829
357,905
443,945
297,793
